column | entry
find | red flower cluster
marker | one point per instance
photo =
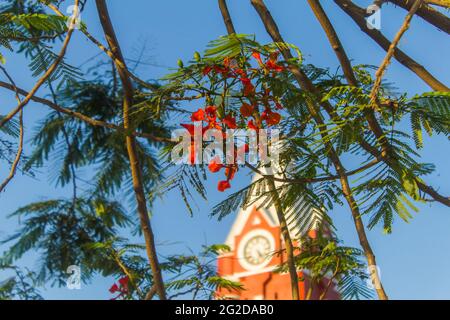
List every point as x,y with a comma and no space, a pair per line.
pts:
209,115
270,64
230,69
271,118
121,288
230,169
215,166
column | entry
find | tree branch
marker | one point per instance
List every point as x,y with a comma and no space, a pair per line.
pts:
16,161
387,59
324,293
315,180
226,16
151,293
431,15
357,14
432,193
440,3
84,118
135,167
334,41
108,52
47,74
128,274
387,157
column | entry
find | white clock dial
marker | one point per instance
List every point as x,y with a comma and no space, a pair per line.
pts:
255,249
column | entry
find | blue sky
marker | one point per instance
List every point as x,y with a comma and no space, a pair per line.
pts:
414,259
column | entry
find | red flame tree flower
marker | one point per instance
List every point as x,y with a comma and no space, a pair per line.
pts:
248,76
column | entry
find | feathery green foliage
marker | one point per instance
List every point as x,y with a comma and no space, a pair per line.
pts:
330,265
61,231
20,285
98,147
196,274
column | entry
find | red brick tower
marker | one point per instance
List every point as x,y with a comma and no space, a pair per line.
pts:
254,235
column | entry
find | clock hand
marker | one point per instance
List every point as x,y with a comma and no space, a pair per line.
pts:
260,254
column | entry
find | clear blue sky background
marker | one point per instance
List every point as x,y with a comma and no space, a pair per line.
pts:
414,260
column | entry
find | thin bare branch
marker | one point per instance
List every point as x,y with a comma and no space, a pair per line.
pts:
439,3
358,15
330,282
432,192
127,272
226,16
386,156
318,179
108,52
427,13
334,41
47,74
387,59
82,117
151,293
19,152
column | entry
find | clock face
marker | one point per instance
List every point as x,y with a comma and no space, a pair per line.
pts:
257,250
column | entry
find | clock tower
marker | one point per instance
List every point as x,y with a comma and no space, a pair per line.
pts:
253,239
